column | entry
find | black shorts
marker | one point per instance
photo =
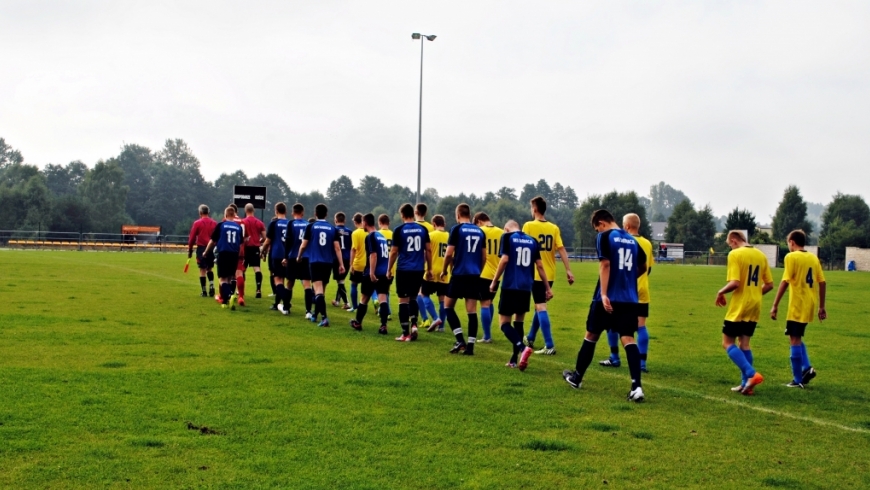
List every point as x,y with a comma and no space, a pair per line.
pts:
623,319
643,310
539,292
320,271
298,270
737,329
795,329
368,288
485,293
467,287
252,256
408,283
513,301
277,268
204,261
227,264
356,277
338,276
436,288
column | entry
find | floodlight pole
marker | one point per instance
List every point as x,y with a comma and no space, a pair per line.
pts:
422,39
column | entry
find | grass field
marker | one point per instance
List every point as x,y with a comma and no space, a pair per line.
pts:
114,373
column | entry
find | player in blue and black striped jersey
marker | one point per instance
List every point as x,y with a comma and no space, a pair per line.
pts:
227,239
466,255
345,244
321,245
520,256
614,304
374,275
412,253
273,248
298,269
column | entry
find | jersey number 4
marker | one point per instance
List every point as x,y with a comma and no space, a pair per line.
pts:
810,277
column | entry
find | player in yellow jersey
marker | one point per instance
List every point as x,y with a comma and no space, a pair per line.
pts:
384,229
424,304
357,257
803,273
420,211
438,285
749,278
550,241
631,224
493,240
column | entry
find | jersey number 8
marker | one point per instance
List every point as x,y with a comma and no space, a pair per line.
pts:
322,239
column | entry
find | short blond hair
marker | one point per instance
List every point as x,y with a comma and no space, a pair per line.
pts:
737,235
631,220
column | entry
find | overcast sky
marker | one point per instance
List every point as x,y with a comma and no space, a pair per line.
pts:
727,101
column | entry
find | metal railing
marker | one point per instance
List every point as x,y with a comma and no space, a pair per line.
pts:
56,240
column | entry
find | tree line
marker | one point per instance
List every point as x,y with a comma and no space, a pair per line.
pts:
164,188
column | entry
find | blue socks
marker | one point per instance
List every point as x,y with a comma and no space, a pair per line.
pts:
613,342
806,359
429,306
643,345
533,330
354,298
486,322
544,318
442,312
739,359
797,363
749,358
421,307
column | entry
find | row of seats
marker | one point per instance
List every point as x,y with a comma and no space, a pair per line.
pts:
58,243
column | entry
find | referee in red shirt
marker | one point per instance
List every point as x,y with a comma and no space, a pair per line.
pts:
200,234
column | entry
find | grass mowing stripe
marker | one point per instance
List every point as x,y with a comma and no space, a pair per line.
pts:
695,394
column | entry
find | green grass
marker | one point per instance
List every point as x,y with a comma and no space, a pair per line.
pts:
114,373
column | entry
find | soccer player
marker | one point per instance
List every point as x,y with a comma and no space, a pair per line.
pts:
411,254
519,258
239,278
466,254
358,258
493,240
803,273
344,242
298,270
273,247
200,234
438,285
321,243
384,228
256,236
631,224
227,238
549,239
420,211
374,275
614,304
424,304
749,278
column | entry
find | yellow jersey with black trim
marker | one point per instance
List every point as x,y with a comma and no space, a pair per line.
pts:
643,279
438,240
803,273
358,243
426,225
388,234
493,242
748,266
549,240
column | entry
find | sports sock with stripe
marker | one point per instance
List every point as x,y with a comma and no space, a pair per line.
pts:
739,359
258,277
797,359
632,355
455,326
413,311
642,343
210,276
472,327
404,314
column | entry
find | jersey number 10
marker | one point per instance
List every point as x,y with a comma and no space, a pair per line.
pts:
524,256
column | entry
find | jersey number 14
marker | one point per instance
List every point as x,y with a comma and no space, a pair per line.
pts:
626,259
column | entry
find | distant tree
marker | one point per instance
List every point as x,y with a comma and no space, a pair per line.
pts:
64,180
372,192
569,198
277,190
791,214
104,190
70,213
8,155
619,204
543,189
814,214
741,220
430,196
663,201
135,162
222,191
342,195
176,153
845,223
447,208
694,229
507,193
529,191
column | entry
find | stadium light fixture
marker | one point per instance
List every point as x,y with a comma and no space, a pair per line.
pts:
430,37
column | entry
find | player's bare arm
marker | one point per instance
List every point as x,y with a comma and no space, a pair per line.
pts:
301,250
768,286
429,276
720,296
823,288
209,246
539,264
783,286
338,256
448,260
502,263
604,278
373,263
564,256
394,255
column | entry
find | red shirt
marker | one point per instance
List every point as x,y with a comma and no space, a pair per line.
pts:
200,232
255,229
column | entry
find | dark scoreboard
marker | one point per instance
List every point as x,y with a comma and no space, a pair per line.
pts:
244,194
